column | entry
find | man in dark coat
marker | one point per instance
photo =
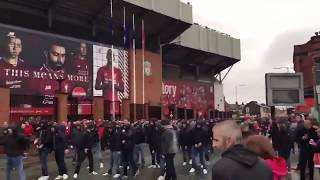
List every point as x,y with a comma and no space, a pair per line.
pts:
198,139
60,148
14,145
183,142
85,150
169,146
237,162
44,143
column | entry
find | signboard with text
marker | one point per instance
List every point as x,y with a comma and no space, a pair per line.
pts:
284,89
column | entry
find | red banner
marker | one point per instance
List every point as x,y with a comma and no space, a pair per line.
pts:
189,95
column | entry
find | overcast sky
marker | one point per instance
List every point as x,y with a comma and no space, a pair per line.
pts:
268,30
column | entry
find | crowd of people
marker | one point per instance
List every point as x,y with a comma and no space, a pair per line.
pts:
125,140
248,149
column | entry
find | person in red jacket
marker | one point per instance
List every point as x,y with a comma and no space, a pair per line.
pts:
27,129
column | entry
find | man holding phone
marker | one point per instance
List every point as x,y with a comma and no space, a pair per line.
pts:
306,137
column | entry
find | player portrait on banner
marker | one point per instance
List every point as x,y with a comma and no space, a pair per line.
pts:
55,58
12,49
105,79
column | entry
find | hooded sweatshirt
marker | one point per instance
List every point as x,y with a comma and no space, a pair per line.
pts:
241,164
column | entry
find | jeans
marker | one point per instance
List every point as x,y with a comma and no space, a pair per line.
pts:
44,161
162,164
97,151
186,153
153,155
17,163
139,153
170,170
59,156
115,161
198,153
127,158
81,157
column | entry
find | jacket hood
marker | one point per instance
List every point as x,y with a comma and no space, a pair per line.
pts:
241,155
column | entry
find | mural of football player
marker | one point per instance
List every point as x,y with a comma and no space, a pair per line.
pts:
104,79
55,59
80,66
80,63
13,49
12,61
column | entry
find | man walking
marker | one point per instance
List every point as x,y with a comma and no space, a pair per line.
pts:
170,147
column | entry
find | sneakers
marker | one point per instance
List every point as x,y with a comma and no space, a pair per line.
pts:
124,177
160,178
43,178
101,165
106,174
184,164
192,170
58,177
205,171
65,176
152,166
93,173
116,176
190,161
75,176
158,166
137,173
201,166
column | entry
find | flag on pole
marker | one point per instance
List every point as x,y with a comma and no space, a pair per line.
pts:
134,59
112,62
143,60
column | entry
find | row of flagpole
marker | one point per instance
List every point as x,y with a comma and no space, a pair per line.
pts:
125,39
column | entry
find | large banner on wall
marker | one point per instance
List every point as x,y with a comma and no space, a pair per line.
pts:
189,95
103,56
38,64
35,63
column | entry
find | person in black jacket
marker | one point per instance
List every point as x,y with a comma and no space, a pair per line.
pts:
198,147
60,148
139,139
14,145
44,145
285,143
76,131
207,140
150,135
115,148
183,142
85,146
127,146
305,138
237,162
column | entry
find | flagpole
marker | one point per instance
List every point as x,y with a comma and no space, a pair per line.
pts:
112,65
143,49
134,70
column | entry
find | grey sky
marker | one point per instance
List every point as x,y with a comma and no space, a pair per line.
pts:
268,30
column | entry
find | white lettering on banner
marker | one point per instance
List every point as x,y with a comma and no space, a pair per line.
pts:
45,75
169,90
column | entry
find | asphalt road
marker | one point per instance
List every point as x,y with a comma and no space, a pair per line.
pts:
33,169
